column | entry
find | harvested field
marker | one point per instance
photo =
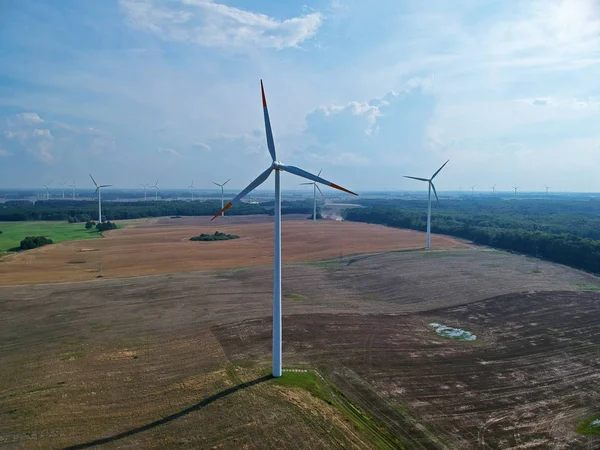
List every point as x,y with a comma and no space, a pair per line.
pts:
162,246
177,360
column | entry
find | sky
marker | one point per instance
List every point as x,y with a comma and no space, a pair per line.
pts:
138,90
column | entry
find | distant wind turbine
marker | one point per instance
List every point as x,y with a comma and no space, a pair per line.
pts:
493,188
547,187
221,186
155,186
47,186
62,185
315,187
99,192
515,188
72,185
472,190
192,187
431,186
144,186
277,167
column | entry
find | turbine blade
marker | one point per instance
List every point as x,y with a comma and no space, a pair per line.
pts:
310,176
226,182
319,174
105,185
269,132
436,196
416,178
319,189
92,180
438,171
215,183
257,182
301,184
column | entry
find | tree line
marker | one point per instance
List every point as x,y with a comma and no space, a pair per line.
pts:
82,211
558,231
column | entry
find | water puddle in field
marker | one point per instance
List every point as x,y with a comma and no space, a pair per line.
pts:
453,333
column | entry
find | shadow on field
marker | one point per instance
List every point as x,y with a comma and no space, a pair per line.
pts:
177,415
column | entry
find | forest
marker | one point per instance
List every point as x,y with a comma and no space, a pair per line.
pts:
82,210
566,232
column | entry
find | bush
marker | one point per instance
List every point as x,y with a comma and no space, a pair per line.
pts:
105,226
89,225
218,236
34,241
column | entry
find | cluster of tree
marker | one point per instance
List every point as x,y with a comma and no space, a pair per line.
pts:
546,230
63,209
218,236
79,218
105,226
34,241
90,224
319,216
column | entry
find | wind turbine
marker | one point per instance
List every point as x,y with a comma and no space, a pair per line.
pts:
547,187
493,188
221,186
515,188
47,186
155,187
72,185
191,186
472,190
144,186
430,182
62,185
315,187
277,167
99,191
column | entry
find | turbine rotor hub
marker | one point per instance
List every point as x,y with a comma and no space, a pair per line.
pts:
276,165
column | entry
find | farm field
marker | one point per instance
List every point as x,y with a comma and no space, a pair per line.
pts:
155,246
179,359
14,232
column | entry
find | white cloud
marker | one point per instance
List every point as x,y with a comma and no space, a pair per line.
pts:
30,118
38,132
209,24
201,146
168,151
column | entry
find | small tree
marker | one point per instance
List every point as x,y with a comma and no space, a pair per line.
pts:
89,224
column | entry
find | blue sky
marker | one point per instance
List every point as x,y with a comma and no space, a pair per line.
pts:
135,90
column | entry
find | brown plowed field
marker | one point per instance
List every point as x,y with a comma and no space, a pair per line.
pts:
162,246
161,361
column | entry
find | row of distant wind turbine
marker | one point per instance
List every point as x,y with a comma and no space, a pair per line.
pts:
493,188
62,185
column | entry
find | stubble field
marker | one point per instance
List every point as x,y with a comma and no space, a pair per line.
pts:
156,246
180,359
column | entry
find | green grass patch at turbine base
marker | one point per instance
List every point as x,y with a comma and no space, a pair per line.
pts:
368,426
14,232
590,426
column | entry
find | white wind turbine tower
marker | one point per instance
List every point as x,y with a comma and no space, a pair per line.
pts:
192,187
431,186
515,188
155,186
277,167
221,186
144,186
72,186
493,188
472,190
99,192
62,185
47,186
315,187
547,187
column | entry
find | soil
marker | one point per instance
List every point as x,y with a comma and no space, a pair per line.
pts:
178,360
158,246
